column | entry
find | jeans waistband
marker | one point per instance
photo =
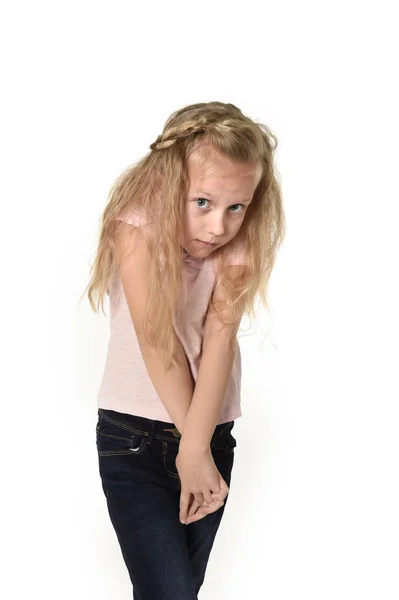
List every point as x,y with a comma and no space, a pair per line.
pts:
152,428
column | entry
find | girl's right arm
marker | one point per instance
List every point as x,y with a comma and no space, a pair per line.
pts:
176,387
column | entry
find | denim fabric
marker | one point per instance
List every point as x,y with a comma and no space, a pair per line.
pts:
166,560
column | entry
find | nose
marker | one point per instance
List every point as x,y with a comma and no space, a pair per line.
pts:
216,226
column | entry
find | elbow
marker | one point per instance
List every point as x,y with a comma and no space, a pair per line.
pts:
220,340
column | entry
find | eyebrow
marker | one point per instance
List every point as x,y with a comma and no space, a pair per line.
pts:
248,200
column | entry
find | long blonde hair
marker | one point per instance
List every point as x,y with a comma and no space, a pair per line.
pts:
163,172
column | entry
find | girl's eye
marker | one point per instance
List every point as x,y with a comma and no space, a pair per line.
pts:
206,200
201,200
242,206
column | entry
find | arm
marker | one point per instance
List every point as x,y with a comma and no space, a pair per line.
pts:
209,393
175,388
213,375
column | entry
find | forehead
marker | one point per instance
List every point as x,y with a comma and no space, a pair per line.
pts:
213,171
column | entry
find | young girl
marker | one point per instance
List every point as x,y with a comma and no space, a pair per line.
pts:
188,241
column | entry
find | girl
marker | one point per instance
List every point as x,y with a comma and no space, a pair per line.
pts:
188,240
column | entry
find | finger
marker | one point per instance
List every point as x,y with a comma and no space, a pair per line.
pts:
224,488
184,502
221,495
199,498
208,497
204,511
193,507
211,508
216,496
207,509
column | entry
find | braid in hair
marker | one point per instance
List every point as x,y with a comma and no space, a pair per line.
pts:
173,134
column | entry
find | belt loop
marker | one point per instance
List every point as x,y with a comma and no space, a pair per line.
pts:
174,431
151,428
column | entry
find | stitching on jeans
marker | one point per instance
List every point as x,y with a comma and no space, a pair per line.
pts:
169,439
114,452
117,437
164,452
119,424
137,450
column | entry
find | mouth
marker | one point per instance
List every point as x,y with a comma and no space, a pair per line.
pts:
205,243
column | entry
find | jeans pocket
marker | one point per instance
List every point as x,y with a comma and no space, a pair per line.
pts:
169,454
112,440
225,441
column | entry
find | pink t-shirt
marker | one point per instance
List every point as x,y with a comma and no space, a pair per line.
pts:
126,386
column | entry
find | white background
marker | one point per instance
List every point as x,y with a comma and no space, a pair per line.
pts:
86,88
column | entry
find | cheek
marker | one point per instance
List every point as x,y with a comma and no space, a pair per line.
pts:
234,229
187,223
187,233
236,226
190,220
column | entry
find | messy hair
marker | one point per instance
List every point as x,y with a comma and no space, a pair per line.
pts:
163,173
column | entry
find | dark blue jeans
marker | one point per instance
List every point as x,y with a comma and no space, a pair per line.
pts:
166,560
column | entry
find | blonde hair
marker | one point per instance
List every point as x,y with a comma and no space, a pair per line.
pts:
163,172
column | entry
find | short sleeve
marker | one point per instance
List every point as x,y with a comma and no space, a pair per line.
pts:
132,217
237,255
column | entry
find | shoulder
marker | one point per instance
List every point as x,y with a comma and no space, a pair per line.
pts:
234,255
134,235
133,217
132,220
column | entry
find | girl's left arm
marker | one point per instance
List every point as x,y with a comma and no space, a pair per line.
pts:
212,379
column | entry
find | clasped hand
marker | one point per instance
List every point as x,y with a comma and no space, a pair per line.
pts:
203,489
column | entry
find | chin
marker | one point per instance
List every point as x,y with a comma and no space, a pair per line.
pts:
203,250
195,249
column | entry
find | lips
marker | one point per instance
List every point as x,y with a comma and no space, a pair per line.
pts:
207,243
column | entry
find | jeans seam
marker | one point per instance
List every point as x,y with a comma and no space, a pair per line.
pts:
122,425
137,431
164,452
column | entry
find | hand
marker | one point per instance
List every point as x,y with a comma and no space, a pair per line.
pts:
197,512
199,479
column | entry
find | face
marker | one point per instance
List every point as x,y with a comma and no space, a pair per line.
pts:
219,195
